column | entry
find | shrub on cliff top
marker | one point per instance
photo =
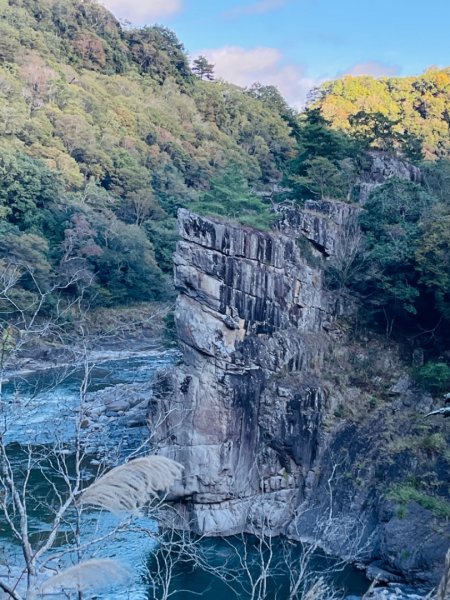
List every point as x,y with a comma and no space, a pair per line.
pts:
406,493
230,196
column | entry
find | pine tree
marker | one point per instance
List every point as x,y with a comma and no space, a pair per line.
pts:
202,68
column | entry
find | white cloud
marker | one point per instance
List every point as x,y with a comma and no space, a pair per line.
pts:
264,65
257,8
373,68
143,11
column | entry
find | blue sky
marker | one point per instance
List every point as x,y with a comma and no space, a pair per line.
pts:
296,44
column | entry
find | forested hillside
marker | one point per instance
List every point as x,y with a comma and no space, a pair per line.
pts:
408,114
105,131
402,271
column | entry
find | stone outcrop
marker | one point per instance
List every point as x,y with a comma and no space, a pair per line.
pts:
380,167
327,224
274,411
252,310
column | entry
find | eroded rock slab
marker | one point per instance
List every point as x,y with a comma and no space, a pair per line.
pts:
252,310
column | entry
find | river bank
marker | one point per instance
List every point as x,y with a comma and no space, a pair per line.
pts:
118,390
98,336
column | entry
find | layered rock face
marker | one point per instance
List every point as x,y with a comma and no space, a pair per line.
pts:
282,421
252,310
381,167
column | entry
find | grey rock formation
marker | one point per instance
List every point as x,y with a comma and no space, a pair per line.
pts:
327,224
115,421
381,167
252,311
272,411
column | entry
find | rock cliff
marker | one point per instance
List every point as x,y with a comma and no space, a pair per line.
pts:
280,419
251,308
380,167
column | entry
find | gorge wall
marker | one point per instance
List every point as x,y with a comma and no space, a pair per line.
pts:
251,309
281,419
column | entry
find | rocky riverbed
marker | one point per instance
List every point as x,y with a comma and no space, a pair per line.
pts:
392,592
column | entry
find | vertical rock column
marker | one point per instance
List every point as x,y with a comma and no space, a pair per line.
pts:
250,309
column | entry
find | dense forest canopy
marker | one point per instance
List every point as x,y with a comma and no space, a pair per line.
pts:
406,247
408,114
105,131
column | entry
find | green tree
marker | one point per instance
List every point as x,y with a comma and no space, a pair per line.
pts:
9,43
26,249
434,376
375,129
202,68
408,114
322,178
158,53
126,268
318,138
163,236
326,162
436,177
433,257
141,205
27,190
230,196
270,96
392,223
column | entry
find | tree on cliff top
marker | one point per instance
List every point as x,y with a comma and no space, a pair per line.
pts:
409,113
229,196
202,68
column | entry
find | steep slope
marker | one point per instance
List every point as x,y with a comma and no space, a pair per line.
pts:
103,133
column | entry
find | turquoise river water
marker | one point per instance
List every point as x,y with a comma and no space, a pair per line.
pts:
42,407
